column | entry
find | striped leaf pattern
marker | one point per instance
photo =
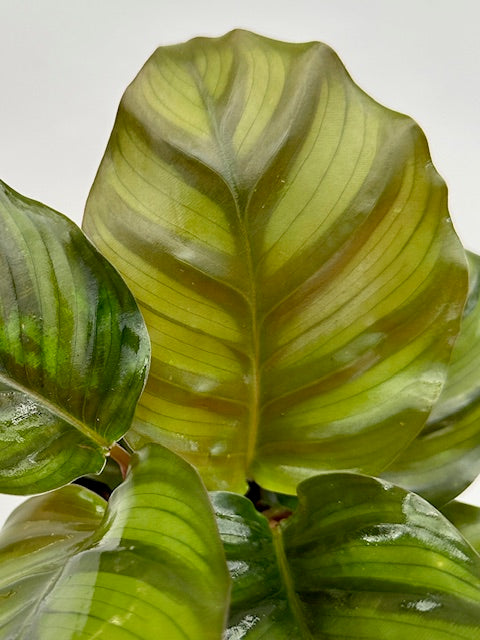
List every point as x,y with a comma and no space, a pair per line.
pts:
445,457
288,242
35,544
150,565
360,559
260,605
74,350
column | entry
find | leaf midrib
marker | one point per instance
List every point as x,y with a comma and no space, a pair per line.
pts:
251,298
58,412
292,597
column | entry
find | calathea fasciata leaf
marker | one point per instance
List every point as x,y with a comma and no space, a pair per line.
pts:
149,565
360,558
445,457
289,244
74,350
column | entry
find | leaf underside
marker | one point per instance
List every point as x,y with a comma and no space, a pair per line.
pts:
288,241
150,565
74,350
359,559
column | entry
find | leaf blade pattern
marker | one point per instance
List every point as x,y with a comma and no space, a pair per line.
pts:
360,558
289,242
443,459
151,562
74,350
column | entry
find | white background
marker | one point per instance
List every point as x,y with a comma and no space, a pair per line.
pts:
64,65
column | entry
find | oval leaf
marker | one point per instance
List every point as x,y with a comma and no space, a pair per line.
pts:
74,350
152,566
360,559
445,457
289,244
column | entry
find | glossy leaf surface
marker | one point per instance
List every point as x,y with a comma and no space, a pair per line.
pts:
74,350
289,244
359,559
445,458
151,567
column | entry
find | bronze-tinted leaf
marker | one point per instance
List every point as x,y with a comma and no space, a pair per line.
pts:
445,457
289,244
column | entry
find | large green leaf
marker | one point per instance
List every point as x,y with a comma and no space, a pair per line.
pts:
445,458
152,567
289,244
74,350
360,559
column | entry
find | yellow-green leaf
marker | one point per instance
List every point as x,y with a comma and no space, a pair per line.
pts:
288,241
149,565
445,457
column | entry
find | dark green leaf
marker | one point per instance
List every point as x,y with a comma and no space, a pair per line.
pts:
361,559
151,567
445,458
74,350
289,244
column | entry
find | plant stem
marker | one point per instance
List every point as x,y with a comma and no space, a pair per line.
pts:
121,457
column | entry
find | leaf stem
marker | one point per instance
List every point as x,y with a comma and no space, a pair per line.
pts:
285,572
121,457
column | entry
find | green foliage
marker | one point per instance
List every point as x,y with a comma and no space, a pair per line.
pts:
467,519
359,558
311,316
445,457
74,350
292,256
152,555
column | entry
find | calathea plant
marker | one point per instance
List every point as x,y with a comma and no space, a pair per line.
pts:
313,321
